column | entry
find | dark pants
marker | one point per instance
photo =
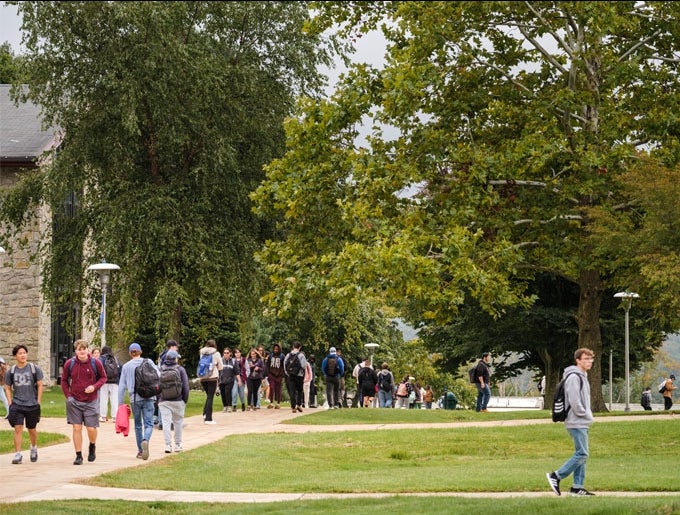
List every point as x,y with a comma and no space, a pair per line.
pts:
210,388
275,389
333,391
253,388
667,402
225,393
295,391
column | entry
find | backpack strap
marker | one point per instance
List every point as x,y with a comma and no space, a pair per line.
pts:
73,364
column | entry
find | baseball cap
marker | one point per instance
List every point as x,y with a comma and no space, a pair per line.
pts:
135,346
332,350
172,354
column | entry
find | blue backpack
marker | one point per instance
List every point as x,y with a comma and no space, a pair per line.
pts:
205,366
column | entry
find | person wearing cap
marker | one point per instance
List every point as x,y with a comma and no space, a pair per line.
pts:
172,403
3,397
668,392
332,369
142,409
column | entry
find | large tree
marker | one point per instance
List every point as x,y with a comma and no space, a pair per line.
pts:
509,120
169,111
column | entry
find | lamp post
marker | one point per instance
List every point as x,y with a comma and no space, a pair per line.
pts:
627,299
371,348
104,270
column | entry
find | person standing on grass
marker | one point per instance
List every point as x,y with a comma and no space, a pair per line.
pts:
24,389
81,378
142,409
668,393
578,421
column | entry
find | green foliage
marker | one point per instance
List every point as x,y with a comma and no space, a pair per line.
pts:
10,65
505,125
169,111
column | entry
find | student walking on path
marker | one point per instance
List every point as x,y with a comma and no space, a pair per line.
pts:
579,419
82,377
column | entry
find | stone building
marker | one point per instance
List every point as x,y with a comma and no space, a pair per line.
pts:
24,316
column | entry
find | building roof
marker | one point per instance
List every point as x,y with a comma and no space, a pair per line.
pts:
22,138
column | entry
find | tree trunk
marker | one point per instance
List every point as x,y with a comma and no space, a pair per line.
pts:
589,336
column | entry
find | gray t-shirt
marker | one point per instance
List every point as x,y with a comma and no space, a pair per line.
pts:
23,387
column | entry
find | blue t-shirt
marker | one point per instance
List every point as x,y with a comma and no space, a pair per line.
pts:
24,386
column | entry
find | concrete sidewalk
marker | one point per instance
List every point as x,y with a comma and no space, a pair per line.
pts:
54,477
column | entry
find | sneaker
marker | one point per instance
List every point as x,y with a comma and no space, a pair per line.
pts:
277,407
294,410
178,447
102,419
78,460
271,406
34,454
17,459
211,422
225,410
299,408
91,456
168,449
243,407
139,455
145,449
554,482
578,492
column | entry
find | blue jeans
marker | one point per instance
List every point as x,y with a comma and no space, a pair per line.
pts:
385,398
142,413
483,396
577,463
238,392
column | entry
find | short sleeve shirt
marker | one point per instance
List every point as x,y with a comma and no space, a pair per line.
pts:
23,387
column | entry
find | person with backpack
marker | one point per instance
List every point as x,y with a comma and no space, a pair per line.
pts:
294,365
142,407
173,399
239,389
273,369
385,386
108,393
403,393
578,421
482,377
367,381
24,389
332,368
81,378
209,368
668,392
646,399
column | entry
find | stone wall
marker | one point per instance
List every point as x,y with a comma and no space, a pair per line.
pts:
23,316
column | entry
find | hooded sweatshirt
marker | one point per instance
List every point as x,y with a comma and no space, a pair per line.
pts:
577,398
217,363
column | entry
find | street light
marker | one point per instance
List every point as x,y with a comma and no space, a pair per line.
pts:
371,348
104,270
627,299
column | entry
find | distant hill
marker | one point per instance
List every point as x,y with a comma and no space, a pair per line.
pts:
672,346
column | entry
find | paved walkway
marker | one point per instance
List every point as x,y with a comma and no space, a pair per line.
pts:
54,477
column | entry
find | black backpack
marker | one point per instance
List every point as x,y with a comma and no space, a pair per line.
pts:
385,381
111,368
170,382
473,374
292,365
331,366
147,382
559,407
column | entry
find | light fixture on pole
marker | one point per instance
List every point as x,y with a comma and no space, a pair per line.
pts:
104,270
371,348
627,299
